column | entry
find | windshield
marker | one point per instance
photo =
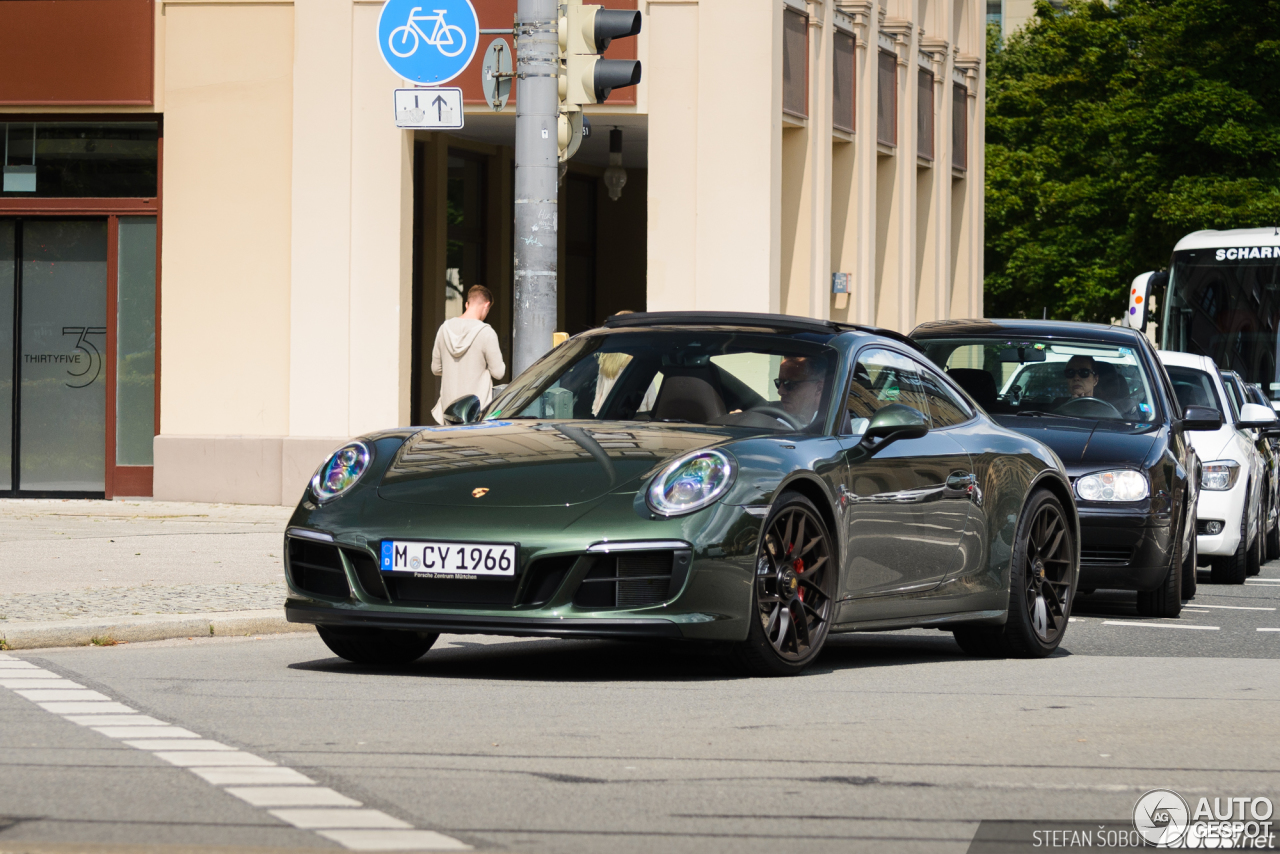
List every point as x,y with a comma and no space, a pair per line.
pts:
1037,377
681,376
1227,308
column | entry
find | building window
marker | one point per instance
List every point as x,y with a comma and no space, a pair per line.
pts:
843,85
79,159
795,63
924,114
887,99
995,12
959,126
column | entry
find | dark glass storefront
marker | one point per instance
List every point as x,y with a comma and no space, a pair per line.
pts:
78,300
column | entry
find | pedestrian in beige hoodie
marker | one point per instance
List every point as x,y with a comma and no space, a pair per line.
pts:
466,356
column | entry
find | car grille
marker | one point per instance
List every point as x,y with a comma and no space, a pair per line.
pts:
1107,555
632,579
317,569
545,577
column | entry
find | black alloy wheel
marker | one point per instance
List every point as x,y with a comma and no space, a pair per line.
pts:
1042,583
377,647
792,597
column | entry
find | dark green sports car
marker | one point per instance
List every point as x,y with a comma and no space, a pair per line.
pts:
750,481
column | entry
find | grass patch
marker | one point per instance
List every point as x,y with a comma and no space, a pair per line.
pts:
4,644
103,640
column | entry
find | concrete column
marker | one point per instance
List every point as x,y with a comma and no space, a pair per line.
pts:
381,240
671,79
739,163
319,334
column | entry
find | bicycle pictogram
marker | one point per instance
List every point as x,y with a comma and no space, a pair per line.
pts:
450,40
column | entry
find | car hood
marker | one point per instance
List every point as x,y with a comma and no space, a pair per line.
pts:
1082,443
534,463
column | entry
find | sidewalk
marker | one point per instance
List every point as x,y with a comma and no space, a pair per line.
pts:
72,571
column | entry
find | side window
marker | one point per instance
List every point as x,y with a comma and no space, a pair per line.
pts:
944,408
880,377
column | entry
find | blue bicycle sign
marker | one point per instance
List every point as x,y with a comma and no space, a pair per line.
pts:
428,45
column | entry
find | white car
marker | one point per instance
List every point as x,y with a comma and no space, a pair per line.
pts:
1230,511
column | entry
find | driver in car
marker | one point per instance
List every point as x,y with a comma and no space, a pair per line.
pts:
800,385
1082,376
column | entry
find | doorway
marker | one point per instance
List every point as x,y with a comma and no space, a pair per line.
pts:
77,353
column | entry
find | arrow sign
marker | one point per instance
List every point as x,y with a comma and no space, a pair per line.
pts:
429,109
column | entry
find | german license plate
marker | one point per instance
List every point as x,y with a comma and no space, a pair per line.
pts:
478,560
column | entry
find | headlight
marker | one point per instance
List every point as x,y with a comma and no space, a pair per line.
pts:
691,482
1122,485
341,471
1219,475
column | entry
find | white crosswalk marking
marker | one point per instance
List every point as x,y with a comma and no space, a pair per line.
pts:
260,782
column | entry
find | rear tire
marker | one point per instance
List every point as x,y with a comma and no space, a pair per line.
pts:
1232,568
1042,582
380,647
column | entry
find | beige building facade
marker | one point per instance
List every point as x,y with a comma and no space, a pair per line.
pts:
818,158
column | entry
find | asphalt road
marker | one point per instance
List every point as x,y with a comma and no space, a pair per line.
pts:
892,742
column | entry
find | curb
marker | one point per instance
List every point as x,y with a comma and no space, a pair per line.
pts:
78,632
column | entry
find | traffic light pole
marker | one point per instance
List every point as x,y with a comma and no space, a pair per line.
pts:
537,179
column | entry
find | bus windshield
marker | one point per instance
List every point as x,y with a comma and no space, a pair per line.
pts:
1226,308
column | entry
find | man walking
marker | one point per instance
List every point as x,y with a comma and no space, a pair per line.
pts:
466,356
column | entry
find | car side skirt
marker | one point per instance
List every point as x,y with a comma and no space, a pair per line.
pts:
941,621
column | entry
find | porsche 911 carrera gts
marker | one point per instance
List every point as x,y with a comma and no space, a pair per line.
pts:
752,482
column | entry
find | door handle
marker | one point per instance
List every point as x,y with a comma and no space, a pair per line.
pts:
964,485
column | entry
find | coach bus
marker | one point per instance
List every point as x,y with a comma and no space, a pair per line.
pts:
1221,299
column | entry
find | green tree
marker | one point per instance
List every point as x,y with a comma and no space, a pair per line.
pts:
1112,130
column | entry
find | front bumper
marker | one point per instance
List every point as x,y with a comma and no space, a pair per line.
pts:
1123,549
563,570
1226,506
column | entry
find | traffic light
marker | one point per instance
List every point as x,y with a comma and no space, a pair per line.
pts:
585,33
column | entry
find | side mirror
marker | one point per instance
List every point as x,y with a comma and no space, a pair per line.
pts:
1201,418
1255,415
895,422
464,410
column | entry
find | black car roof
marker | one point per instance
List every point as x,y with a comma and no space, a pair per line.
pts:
774,322
1099,332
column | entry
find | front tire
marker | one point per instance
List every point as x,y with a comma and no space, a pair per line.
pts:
1042,583
1273,541
378,647
1233,568
792,596
1189,562
1257,556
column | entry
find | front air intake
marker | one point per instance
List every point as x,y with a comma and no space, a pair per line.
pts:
316,568
633,579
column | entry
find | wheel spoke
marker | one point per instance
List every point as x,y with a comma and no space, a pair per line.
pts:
802,631
1040,617
812,569
786,537
784,627
798,540
808,548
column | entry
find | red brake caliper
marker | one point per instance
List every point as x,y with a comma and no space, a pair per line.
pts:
798,566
